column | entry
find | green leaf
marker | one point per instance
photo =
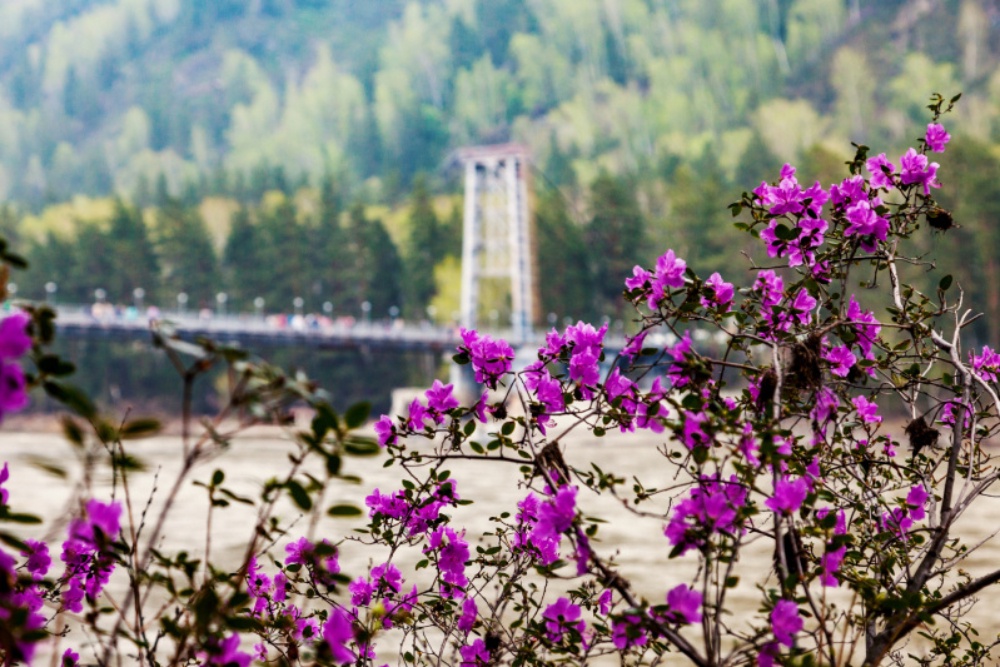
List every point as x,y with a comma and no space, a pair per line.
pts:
72,431
361,446
507,428
333,465
344,510
218,477
299,495
52,364
357,414
139,428
72,397
945,283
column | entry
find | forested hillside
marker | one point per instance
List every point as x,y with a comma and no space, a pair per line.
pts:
229,125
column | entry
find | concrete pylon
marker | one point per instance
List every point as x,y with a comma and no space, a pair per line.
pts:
497,241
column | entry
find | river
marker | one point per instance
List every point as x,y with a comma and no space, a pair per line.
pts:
639,544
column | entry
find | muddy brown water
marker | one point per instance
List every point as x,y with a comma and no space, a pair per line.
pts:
638,544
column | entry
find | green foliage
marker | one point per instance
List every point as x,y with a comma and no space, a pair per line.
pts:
425,247
616,237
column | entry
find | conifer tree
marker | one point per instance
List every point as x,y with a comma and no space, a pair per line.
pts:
423,250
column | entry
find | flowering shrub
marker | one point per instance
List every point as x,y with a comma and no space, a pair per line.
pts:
782,436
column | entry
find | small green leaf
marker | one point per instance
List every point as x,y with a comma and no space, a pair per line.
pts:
299,495
357,414
945,283
361,446
344,510
139,428
72,397
217,477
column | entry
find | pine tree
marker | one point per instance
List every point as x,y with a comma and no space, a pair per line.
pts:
615,237
132,256
423,250
185,248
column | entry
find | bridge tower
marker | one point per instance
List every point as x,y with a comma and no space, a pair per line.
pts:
497,243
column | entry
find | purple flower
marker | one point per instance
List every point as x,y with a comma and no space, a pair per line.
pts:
849,191
785,622
803,305
583,368
226,652
70,658
693,434
490,358
710,508
771,288
830,565
387,578
917,499
440,399
38,557
987,363
453,552
628,632
841,360
475,655
549,393
937,137
669,273
721,293
788,495
768,654
915,169
634,345
14,339
13,388
4,494
867,410
881,169
561,616
338,633
604,602
685,603
824,406
468,618
680,354
863,221
641,279
866,325
386,431
554,345
585,337
417,414
556,515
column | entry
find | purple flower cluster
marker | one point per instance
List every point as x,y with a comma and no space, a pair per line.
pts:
20,603
490,358
451,551
418,518
711,507
654,286
901,519
789,494
88,553
685,604
987,363
720,293
225,652
440,400
562,616
14,343
542,523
